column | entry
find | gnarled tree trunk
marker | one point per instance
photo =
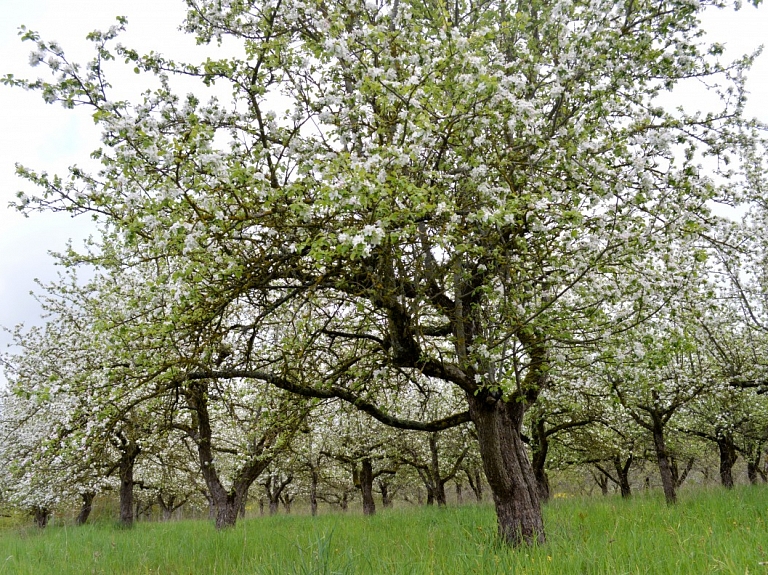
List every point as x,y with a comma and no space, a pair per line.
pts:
366,486
622,474
85,508
129,452
508,470
668,482
728,457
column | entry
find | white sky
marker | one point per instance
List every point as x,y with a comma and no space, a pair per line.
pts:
50,138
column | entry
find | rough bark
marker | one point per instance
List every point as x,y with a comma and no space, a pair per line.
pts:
508,470
313,492
662,458
85,508
243,504
366,486
129,452
728,457
539,451
622,474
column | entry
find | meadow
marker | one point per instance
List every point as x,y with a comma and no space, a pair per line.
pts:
709,531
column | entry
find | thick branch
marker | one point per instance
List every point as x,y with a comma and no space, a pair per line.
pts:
336,392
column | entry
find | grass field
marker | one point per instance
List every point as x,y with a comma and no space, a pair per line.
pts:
710,531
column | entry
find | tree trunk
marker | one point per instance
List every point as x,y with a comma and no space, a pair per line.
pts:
677,477
227,511
622,474
459,494
438,486
476,484
226,503
539,450
442,500
166,510
41,516
602,482
662,457
287,500
85,508
366,486
728,458
386,501
242,505
274,488
508,470
126,486
313,493
211,506
752,472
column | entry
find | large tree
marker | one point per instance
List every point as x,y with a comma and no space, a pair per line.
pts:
425,192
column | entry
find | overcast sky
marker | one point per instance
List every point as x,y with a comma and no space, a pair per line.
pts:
50,138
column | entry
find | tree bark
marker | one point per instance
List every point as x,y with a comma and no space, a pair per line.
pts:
242,505
85,508
438,485
313,492
366,486
41,516
754,458
386,500
130,451
728,457
508,470
539,450
622,474
662,458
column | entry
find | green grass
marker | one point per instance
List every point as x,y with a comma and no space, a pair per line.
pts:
710,531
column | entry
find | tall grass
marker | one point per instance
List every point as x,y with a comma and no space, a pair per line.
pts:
707,532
